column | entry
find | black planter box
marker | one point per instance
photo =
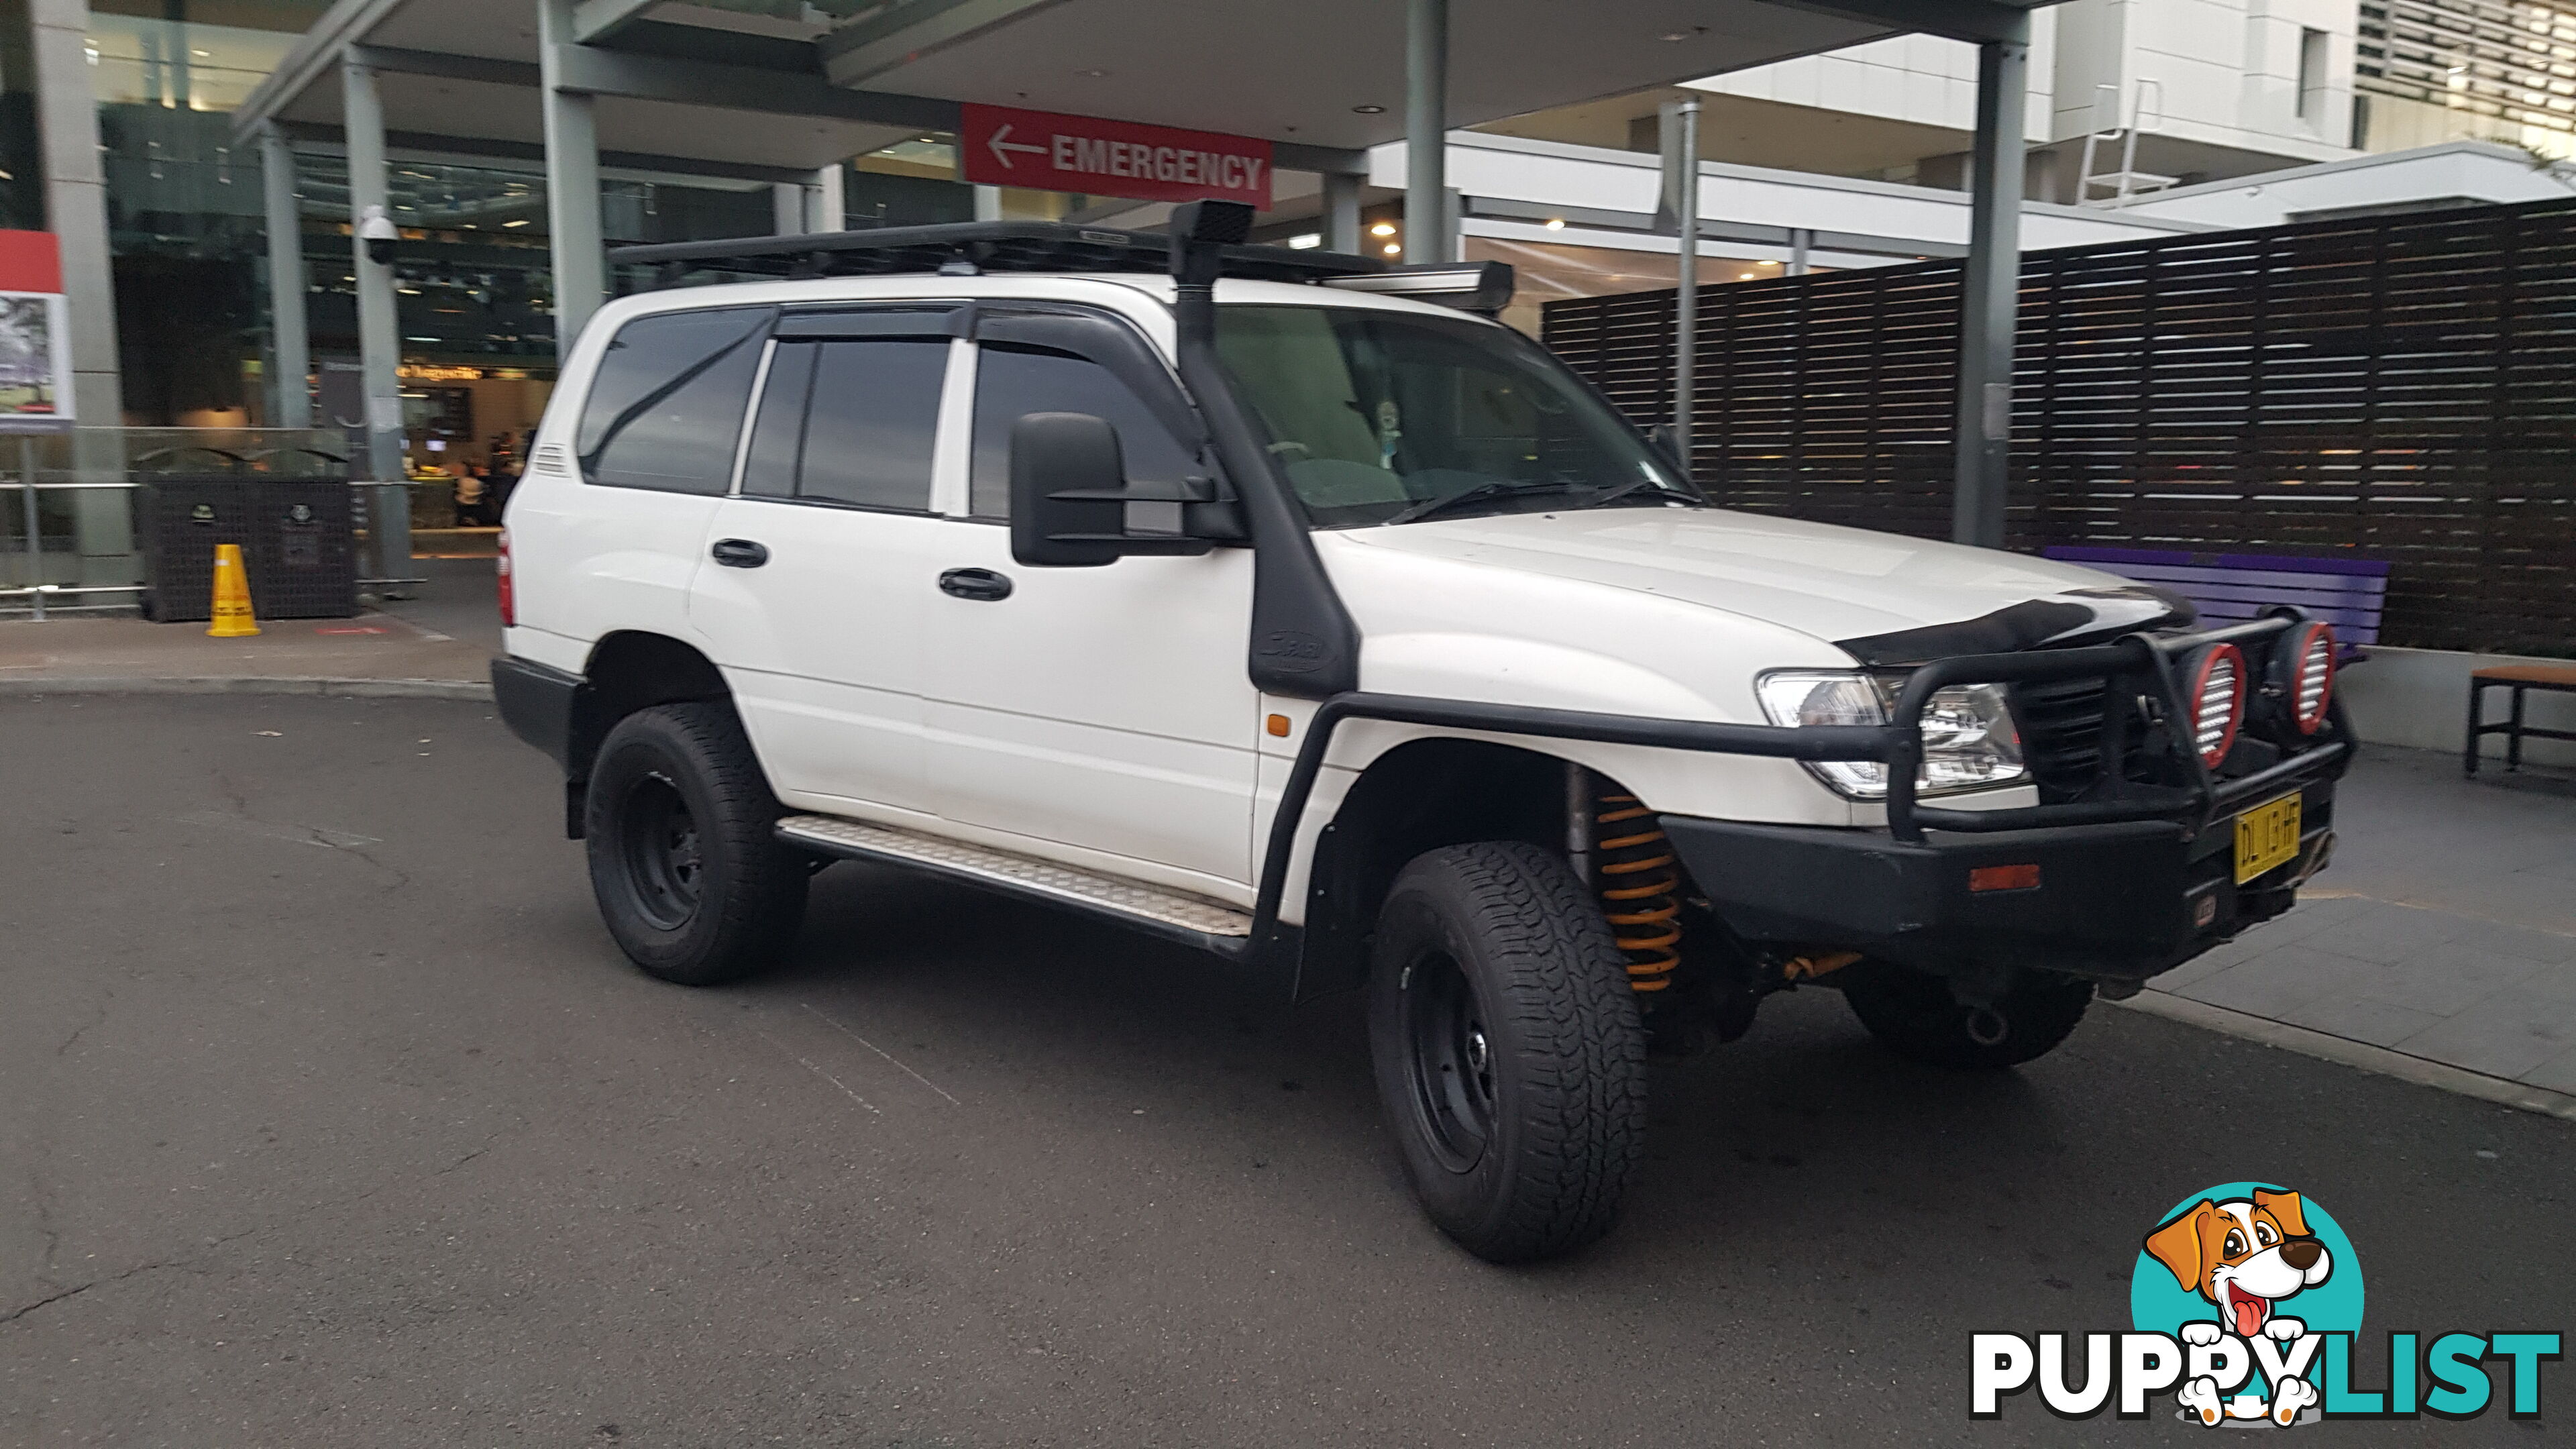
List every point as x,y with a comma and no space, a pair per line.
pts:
295,536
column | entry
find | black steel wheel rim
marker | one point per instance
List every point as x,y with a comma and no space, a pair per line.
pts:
658,842
1449,1061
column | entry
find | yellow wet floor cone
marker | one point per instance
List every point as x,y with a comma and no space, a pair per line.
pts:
233,618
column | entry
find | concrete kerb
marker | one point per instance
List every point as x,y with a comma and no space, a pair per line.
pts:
2346,1052
466,689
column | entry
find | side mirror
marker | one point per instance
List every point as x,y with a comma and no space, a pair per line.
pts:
1069,497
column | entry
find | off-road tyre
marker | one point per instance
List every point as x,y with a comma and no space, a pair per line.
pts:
679,822
1522,1148
1914,1014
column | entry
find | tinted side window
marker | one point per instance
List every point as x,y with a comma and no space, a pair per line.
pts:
666,406
778,434
1013,381
872,421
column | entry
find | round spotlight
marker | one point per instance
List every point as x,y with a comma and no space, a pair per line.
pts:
2217,700
2303,674
1556,223
1383,228
1393,250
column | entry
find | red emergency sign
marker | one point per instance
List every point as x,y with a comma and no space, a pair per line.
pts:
1094,157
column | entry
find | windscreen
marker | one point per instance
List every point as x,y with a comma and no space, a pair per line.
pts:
1383,417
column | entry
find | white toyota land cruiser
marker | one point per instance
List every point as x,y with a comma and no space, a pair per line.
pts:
1347,636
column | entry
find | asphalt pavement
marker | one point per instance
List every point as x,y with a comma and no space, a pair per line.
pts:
329,1116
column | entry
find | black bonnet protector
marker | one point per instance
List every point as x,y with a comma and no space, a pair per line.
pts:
2071,617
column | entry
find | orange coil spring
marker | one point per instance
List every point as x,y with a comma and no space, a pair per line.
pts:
1638,884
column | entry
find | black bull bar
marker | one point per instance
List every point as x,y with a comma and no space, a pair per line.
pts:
2139,660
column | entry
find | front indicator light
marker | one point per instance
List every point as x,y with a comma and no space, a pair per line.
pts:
2003,878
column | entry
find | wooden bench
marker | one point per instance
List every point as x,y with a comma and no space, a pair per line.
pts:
2228,588
2521,679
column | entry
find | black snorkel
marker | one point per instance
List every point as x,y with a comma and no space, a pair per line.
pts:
1303,641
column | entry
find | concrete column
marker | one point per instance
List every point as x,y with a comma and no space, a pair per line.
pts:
379,327
1428,226
292,405
786,209
572,182
1990,296
1342,212
988,203
830,203
76,209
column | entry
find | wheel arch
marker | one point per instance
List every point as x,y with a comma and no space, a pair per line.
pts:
1420,795
628,670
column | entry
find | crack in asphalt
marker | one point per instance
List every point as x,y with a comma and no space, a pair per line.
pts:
45,1218
343,841
83,1029
15,1314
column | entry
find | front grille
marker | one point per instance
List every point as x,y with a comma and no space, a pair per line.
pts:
2061,736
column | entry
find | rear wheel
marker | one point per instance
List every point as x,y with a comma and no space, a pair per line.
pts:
1509,1051
1914,1014
690,879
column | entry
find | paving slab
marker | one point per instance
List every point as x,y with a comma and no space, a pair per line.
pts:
2445,931
447,632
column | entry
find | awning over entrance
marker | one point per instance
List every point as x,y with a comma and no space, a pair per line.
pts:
1320,73
770,85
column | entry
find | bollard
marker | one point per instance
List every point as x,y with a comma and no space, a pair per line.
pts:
232,612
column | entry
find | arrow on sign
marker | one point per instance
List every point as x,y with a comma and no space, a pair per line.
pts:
1002,148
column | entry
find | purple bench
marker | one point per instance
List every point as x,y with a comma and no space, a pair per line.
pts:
2228,587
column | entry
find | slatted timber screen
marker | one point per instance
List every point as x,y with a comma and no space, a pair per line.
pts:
2400,389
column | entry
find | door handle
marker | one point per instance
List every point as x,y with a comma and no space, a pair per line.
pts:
981,585
739,553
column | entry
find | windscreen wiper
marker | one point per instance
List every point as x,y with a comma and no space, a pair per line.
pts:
1613,495
1478,494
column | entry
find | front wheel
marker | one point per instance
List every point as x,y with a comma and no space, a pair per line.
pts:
1509,1051
1914,1014
690,879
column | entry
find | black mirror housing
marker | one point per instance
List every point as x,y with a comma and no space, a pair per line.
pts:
1068,490
1069,497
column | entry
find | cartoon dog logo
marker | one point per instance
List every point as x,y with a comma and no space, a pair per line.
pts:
2244,1256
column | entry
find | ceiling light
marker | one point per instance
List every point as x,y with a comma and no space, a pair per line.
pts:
1744,276
1370,110
1556,223
1383,228
522,221
1394,250
1307,240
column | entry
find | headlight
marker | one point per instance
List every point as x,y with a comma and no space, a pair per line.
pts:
1969,740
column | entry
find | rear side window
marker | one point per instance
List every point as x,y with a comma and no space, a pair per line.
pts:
1011,382
666,406
849,421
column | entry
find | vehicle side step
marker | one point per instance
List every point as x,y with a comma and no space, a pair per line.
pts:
1193,920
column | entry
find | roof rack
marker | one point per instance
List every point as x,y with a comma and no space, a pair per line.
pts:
969,247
